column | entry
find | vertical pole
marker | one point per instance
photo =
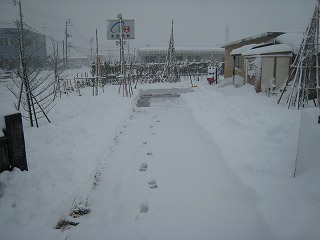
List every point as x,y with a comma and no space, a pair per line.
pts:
216,75
66,33
91,41
128,51
234,68
122,48
23,66
122,56
97,64
63,55
317,55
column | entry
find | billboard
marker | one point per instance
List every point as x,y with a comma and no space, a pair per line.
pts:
113,29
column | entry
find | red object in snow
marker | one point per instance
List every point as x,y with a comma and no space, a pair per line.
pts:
210,79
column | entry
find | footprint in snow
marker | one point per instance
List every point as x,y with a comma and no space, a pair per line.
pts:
143,167
153,184
144,207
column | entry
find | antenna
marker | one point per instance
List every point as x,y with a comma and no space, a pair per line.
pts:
227,34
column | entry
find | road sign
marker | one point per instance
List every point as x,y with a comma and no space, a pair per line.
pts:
113,29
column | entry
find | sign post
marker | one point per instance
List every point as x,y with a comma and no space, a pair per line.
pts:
120,30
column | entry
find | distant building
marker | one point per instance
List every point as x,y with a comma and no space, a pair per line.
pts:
81,61
158,55
36,46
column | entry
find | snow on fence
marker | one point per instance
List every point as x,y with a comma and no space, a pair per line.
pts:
12,145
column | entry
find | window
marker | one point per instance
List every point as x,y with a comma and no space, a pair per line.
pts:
152,59
251,67
4,42
237,62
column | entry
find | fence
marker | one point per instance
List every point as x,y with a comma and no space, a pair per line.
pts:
12,145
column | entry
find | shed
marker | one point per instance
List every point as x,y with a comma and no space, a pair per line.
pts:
260,58
266,64
234,63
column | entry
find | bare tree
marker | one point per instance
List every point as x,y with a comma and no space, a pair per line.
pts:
33,89
56,63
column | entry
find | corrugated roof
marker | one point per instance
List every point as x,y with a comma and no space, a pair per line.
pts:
265,34
180,50
277,48
240,50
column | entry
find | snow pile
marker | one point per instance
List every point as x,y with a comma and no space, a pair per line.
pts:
63,158
255,143
277,48
259,140
293,39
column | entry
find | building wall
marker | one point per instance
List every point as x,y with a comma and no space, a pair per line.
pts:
283,71
8,52
228,59
268,67
267,72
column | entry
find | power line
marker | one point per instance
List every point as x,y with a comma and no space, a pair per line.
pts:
41,14
80,34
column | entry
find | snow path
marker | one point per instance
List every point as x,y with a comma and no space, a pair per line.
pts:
166,179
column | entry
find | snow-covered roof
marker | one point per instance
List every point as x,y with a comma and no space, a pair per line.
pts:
240,50
277,48
289,42
294,40
180,50
261,35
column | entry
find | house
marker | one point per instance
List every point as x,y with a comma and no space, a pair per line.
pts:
261,59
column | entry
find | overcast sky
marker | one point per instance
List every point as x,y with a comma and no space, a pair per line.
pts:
197,23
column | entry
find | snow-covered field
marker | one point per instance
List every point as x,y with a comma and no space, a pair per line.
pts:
215,163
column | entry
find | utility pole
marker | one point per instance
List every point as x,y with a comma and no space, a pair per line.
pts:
226,39
23,72
68,23
63,55
97,65
91,41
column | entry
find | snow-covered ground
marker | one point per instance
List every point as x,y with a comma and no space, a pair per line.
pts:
215,163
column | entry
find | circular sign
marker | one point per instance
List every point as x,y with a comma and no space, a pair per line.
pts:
126,29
